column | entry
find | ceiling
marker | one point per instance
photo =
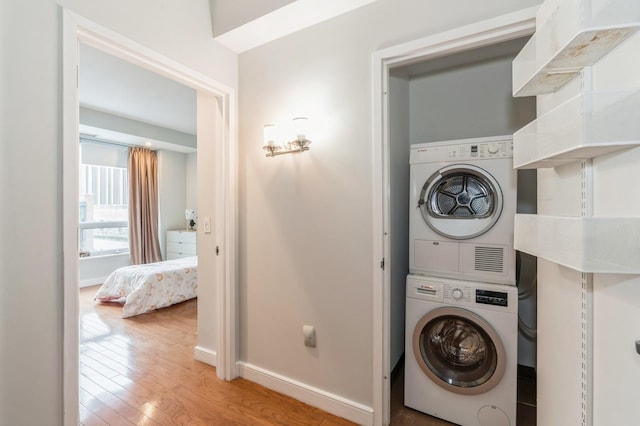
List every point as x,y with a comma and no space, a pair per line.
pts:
243,25
112,85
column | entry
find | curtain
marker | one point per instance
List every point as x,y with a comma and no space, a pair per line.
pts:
143,206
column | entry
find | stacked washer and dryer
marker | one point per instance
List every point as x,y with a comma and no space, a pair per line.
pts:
462,301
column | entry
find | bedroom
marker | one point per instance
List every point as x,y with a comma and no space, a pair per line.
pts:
115,113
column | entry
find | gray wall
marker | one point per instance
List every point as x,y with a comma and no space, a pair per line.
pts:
399,113
470,100
306,220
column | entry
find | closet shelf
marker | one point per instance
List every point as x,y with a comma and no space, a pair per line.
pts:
586,126
607,245
577,34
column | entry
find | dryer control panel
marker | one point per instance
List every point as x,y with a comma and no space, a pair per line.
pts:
471,149
498,149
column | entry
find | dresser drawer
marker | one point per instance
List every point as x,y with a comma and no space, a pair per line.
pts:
179,247
172,256
181,236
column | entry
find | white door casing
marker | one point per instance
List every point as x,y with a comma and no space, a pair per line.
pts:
77,29
484,33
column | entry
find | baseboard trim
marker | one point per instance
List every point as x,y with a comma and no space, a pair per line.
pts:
334,404
92,281
205,355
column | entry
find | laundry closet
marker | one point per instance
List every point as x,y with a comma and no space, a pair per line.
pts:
457,97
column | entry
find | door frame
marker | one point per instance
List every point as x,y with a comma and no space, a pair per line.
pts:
485,33
76,30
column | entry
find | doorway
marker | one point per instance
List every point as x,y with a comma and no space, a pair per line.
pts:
485,33
217,197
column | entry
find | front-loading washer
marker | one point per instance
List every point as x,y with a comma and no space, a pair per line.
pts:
463,203
461,354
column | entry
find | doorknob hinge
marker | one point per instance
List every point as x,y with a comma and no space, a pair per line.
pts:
217,250
382,264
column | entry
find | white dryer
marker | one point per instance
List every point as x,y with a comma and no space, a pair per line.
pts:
461,350
463,203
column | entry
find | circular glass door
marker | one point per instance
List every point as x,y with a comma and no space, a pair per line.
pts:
460,201
459,351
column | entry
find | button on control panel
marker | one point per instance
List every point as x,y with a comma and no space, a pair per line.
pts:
458,293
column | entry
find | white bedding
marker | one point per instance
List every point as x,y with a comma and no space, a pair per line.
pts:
144,288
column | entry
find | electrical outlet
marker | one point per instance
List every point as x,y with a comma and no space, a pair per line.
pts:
309,333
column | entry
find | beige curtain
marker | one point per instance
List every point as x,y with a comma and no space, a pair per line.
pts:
143,206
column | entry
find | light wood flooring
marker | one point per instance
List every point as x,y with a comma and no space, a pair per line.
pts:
141,371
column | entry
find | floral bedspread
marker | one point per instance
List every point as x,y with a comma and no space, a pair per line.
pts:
144,288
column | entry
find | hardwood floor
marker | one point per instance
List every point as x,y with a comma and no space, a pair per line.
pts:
141,371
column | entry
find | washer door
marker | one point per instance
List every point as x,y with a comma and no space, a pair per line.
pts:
461,201
459,351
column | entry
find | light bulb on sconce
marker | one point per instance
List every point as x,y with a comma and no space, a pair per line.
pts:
300,127
271,138
299,144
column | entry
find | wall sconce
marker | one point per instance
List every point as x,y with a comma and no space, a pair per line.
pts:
299,144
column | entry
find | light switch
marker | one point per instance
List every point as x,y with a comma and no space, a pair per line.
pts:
206,224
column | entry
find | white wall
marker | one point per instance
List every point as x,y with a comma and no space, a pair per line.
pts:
31,263
306,220
172,190
227,15
104,120
209,176
94,270
192,181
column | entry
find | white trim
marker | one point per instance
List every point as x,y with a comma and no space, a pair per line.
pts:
78,29
205,355
230,234
484,33
115,44
329,402
70,179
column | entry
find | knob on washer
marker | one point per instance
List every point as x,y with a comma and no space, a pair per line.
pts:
457,294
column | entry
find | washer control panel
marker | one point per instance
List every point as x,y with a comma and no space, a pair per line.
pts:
464,294
488,297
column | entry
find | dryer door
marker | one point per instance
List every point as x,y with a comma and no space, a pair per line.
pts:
459,350
461,201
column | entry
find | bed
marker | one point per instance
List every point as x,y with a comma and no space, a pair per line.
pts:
144,288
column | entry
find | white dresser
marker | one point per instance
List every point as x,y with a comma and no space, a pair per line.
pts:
181,244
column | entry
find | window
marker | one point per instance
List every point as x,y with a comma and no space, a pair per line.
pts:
104,198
